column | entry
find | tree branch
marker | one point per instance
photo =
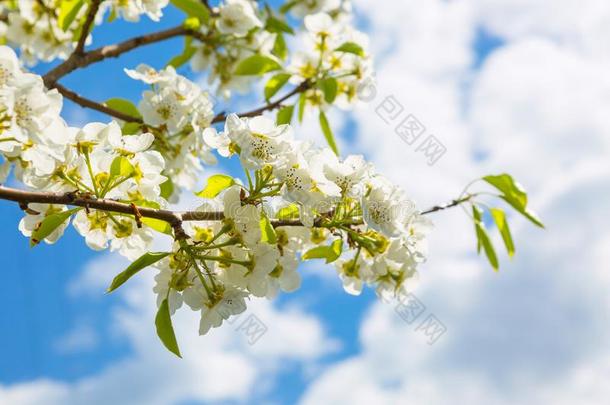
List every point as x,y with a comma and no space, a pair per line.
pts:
85,102
451,204
80,46
82,200
174,218
78,61
269,107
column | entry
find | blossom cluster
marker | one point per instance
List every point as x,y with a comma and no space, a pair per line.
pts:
98,159
242,30
179,112
297,202
340,205
331,49
45,30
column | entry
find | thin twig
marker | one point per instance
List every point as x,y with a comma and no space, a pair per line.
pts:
80,46
174,218
451,204
88,103
85,59
85,102
268,107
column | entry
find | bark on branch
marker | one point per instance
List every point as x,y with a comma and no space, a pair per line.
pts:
77,61
174,218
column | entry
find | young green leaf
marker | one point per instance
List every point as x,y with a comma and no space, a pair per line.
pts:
330,253
68,10
289,212
165,329
121,166
500,219
284,115
514,195
267,231
167,188
328,133
523,211
131,128
483,239
193,8
509,187
140,263
275,84
302,104
288,5
185,56
50,224
215,185
477,215
158,225
280,49
329,87
256,65
124,106
351,47
277,26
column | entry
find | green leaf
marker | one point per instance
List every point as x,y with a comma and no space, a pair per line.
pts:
284,115
289,212
502,225
68,10
275,84
276,25
185,56
193,8
288,5
280,49
329,87
131,128
302,104
158,225
477,214
484,240
509,187
256,65
328,133
514,195
215,185
192,23
330,253
124,106
121,166
140,263
49,224
267,231
351,47
167,188
165,329
112,16
533,217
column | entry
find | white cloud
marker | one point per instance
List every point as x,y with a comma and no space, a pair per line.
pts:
81,338
219,366
536,332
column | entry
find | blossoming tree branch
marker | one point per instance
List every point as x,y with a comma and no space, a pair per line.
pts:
116,181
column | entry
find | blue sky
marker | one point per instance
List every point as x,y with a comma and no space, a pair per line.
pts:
38,279
506,87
